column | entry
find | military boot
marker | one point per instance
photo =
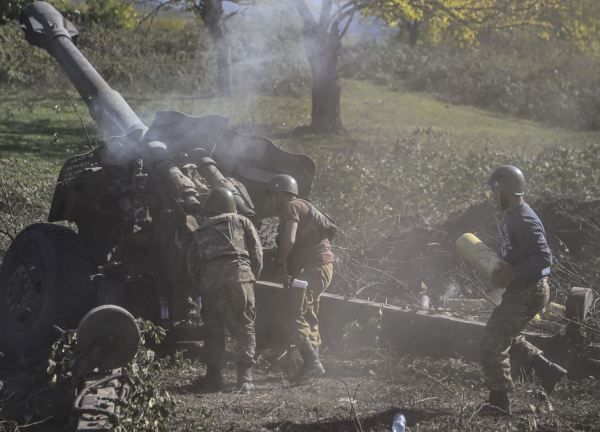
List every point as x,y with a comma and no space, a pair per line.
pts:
213,380
497,404
312,367
550,373
244,378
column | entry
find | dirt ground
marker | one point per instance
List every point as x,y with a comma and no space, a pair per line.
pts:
365,388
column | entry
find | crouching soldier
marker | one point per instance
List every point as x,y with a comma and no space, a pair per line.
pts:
304,252
524,248
224,261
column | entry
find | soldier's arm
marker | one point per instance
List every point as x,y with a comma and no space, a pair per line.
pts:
191,262
286,242
531,237
254,248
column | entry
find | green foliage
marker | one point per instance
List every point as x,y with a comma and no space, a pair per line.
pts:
25,193
10,9
466,20
422,179
149,406
175,60
111,14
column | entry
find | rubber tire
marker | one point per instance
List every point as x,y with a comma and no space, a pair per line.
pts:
61,275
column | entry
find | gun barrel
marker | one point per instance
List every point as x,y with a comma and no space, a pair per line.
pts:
45,27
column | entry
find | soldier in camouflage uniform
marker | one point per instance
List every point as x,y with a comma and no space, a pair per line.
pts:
223,262
304,252
528,260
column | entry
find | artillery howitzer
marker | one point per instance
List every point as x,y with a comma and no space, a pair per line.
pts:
133,198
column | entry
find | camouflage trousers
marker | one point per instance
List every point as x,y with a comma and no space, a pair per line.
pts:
303,309
229,306
502,338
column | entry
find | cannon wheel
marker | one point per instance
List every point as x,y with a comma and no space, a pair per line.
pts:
43,281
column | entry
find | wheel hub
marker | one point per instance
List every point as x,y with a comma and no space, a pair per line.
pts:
24,295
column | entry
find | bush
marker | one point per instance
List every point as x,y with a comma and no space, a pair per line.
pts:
516,74
167,61
374,191
173,55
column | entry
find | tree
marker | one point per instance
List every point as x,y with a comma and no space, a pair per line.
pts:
322,39
213,16
461,20
465,20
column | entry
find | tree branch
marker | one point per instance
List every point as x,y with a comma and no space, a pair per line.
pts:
325,13
152,14
305,14
341,15
347,26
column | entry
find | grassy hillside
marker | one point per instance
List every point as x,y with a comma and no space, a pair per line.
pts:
29,120
411,158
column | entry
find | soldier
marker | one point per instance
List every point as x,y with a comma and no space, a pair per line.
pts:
528,258
304,252
223,262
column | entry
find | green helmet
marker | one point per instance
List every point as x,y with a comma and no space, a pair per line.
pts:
220,200
507,178
283,183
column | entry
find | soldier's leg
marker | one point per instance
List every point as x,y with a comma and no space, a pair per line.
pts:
535,299
242,303
299,331
528,355
318,281
508,320
213,310
243,312
296,326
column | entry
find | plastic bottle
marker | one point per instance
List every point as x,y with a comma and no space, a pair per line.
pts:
399,424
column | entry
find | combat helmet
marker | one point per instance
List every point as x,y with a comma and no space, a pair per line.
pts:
507,178
220,200
283,183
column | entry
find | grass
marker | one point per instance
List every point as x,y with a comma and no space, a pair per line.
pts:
28,121
405,153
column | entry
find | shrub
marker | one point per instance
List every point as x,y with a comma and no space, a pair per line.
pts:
515,74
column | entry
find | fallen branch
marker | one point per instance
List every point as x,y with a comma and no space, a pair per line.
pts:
426,375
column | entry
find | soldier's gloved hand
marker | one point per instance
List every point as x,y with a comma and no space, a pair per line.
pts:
503,275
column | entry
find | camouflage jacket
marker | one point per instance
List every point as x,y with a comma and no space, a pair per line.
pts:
225,248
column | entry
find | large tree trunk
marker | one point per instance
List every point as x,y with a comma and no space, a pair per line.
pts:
323,49
412,28
213,19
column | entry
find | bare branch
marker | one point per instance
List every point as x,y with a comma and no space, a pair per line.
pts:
152,14
229,16
8,234
347,26
426,375
305,14
325,12
75,106
349,13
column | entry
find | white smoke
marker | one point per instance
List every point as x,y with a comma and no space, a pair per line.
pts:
451,290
